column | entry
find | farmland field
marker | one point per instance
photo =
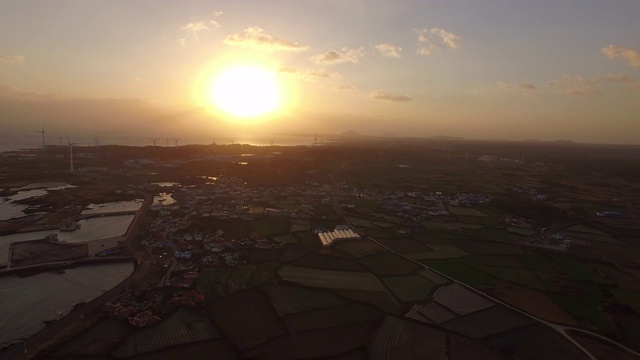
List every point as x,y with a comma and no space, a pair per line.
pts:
403,245
461,348
316,344
399,339
459,270
483,323
265,273
106,334
409,288
331,317
382,300
433,276
585,309
331,278
322,261
465,211
214,281
460,299
246,317
440,251
199,350
487,247
289,300
600,349
240,277
536,342
359,248
286,238
388,264
535,302
181,327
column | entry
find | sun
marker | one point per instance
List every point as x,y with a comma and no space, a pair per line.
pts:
246,92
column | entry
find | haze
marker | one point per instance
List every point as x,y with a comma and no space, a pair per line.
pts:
515,70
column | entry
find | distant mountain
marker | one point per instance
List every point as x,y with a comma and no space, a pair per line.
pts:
350,133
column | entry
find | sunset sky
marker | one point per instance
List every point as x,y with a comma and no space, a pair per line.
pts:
481,69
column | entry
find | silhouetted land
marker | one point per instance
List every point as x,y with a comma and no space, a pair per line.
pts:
548,231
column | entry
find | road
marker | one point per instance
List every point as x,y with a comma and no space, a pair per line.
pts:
144,260
559,328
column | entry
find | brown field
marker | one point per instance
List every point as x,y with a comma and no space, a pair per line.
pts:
316,344
247,318
37,252
359,248
534,302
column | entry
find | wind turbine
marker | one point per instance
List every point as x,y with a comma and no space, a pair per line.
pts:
315,139
176,141
96,141
42,132
154,143
71,151
450,142
271,143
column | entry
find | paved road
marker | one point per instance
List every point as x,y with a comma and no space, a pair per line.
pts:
561,329
142,268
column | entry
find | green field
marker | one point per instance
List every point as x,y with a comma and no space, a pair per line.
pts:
465,211
214,281
440,251
331,317
289,300
331,278
387,264
265,273
409,288
240,277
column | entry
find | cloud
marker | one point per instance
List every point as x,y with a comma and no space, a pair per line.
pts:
620,78
214,24
389,49
448,38
521,86
339,56
182,41
578,86
630,55
217,13
381,95
14,59
310,75
345,87
321,73
194,28
427,37
256,38
288,70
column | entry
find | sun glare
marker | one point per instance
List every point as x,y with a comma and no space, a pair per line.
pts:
246,92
